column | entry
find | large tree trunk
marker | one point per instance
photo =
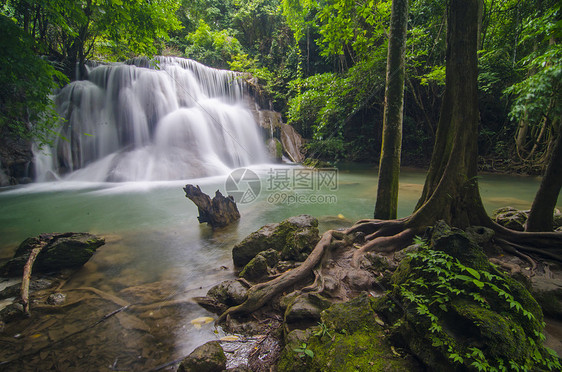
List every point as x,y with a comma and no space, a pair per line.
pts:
542,210
389,168
451,187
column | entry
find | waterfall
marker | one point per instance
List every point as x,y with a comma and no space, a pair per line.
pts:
174,119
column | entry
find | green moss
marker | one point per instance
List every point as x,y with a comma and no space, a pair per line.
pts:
453,309
278,149
352,316
349,340
294,238
496,335
255,269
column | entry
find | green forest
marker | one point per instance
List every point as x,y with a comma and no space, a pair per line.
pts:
322,63
449,88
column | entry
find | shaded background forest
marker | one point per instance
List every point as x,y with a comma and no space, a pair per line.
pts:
321,63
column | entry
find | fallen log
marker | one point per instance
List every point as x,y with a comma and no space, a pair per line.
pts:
218,212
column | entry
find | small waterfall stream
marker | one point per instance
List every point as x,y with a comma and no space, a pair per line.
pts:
141,121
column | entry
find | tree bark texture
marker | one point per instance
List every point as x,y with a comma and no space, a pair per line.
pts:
451,187
389,167
218,212
542,210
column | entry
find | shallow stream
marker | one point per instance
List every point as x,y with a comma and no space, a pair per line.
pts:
158,255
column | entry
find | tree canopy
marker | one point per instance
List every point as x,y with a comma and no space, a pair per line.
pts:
322,63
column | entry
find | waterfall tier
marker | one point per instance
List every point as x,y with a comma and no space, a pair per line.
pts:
175,120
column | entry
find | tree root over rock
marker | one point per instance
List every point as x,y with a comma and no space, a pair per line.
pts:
381,237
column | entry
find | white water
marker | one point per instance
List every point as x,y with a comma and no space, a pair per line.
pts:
133,122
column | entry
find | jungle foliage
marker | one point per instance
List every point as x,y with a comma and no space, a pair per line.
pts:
322,63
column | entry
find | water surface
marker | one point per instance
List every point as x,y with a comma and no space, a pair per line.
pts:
157,252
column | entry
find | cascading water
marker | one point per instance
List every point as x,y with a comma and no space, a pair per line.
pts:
134,122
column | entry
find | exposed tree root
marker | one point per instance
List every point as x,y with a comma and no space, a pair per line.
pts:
260,294
383,237
544,244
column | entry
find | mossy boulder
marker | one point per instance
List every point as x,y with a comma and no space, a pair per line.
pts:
228,292
458,244
548,293
60,251
255,269
511,218
208,357
259,266
305,308
294,238
348,339
454,310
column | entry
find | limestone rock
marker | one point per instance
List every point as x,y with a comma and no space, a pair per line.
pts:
306,308
62,251
471,304
294,238
255,269
229,292
511,218
208,357
548,293
348,339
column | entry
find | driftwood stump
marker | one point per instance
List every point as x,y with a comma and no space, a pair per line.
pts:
218,212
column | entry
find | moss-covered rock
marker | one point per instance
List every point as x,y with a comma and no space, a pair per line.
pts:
457,244
60,251
455,311
511,218
208,357
255,269
548,293
294,238
348,339
228,292
305,308
260,265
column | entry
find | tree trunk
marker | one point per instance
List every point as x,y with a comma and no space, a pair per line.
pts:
451,187
542,210
389,168
218,212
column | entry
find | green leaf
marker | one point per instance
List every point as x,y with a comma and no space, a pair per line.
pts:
309,352
478,283
473,272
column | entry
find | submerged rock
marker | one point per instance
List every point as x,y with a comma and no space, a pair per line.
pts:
61,251
208,357
294,238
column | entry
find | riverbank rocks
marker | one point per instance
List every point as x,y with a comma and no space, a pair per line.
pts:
294,238
347,339
515,219
453,310
208,357
548,293
61,251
